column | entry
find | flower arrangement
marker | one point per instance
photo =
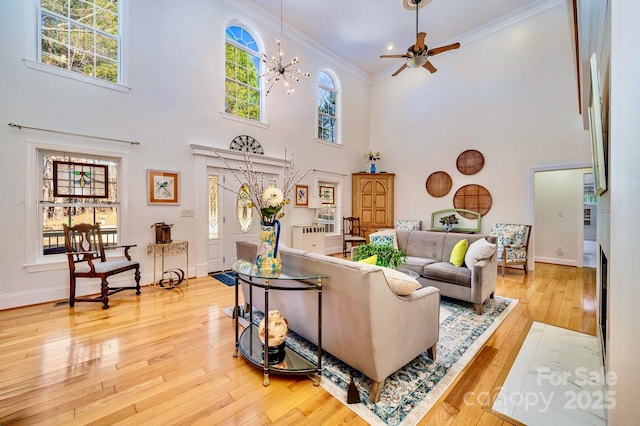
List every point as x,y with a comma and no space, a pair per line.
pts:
449,220
372,156
269,201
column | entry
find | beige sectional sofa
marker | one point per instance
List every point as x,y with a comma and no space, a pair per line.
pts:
364,323
428,254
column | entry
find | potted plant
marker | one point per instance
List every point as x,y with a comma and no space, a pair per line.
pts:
387,255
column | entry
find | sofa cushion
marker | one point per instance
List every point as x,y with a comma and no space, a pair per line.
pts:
445,271
400,283
417,264
458,252
477,251
425,244
384,236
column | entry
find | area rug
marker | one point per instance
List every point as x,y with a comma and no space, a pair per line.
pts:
409,393
227,278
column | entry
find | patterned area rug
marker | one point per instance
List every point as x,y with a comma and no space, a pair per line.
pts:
409,393
226,278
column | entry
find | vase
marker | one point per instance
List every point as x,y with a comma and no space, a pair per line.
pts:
448,227
372,169
267,256
278,328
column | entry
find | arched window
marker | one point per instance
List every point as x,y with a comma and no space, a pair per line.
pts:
242,74
327,108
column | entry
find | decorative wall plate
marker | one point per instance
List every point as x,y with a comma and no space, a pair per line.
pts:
472,197
470,162
246,143
438,184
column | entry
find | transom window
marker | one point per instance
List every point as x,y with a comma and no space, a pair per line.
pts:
327,108
77,188
82,36
242,74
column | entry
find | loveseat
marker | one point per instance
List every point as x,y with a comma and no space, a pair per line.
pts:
364,323
428,254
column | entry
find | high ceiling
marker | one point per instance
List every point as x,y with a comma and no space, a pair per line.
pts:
358,31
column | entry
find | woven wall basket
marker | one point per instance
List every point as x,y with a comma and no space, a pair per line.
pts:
470,162
472,197
438,184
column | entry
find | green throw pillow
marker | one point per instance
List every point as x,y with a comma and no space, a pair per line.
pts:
458,252
371,260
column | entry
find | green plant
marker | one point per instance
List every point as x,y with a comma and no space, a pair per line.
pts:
449,220
387,254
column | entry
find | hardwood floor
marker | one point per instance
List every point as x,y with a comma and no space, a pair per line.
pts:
165,357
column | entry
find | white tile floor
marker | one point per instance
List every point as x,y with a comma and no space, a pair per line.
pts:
556,379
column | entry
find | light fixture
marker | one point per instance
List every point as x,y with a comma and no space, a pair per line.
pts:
276,68
416,61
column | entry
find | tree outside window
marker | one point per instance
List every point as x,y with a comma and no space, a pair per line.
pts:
60,206
327,114
242,74
81,36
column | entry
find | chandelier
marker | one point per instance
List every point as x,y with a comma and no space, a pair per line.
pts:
278,70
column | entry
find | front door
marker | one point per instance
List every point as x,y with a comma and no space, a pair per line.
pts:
236,221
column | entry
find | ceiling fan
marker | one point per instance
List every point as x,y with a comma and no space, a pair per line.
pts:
418,54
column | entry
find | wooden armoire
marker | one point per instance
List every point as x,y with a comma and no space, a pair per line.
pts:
372,201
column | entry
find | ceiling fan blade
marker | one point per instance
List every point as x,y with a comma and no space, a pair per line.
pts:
429,66
399,70
441,49
419,42
394,56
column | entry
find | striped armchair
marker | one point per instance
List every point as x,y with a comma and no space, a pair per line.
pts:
513,242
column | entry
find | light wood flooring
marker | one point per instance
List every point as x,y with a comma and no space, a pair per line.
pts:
165,357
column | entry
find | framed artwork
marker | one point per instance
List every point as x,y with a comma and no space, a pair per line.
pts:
302,195
598,150
80,180
163,187
327,194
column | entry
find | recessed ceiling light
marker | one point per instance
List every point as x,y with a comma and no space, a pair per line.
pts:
390,46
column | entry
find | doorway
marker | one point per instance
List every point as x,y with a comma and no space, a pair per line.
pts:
231,219
589,252
558,214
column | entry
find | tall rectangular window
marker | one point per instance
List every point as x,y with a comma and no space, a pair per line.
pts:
82,36
327,129
213,206
326,215
77,188
242,74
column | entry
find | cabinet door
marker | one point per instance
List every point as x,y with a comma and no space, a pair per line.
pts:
373,200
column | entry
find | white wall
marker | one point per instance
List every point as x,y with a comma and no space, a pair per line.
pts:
620,204
176,75
511,95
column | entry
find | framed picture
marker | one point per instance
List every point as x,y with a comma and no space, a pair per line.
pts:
302,195
163,187
598,150
327,194
80,180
